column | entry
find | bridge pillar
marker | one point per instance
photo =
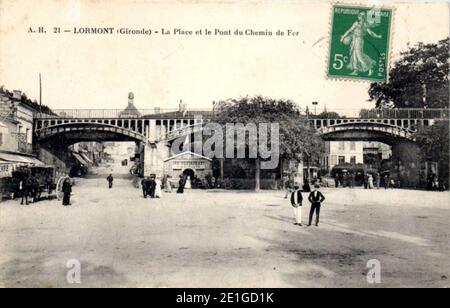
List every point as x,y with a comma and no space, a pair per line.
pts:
154,157
152,131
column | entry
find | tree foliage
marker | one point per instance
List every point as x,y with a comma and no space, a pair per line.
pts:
297,139
419,79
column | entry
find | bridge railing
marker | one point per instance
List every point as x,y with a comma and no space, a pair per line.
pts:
168,112
404,114
117,113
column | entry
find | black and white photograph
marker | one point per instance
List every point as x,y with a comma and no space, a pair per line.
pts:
228,145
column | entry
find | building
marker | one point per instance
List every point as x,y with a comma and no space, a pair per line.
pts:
16,134
16,128
341,152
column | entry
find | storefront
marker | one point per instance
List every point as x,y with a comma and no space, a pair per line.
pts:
9,163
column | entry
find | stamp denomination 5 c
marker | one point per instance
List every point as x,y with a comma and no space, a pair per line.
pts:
359,47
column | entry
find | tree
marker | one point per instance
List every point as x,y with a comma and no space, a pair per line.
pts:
434,144
419,79
297,139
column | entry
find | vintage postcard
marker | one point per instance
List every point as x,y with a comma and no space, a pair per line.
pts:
224,144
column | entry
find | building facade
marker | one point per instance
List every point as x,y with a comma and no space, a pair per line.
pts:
341,152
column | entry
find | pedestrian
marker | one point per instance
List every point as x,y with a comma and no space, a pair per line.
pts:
296,202
23,190
316,198
168,186
386,181
144,185
110,180
370,181
49,184
152,187
67,191
181,184
378,180
158,191
336,180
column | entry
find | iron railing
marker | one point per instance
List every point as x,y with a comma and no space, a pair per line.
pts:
434,113
118,113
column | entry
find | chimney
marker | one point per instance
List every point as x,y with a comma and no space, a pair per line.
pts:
17,94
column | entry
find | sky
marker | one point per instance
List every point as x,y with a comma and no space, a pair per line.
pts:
97,72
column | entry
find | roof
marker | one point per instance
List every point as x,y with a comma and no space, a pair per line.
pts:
188,153
15,158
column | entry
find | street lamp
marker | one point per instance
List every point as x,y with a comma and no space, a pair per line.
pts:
315,107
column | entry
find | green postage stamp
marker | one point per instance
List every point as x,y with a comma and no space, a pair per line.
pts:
359,47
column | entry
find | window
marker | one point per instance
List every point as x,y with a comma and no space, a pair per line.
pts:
1,139
341,146
341,160
352,146
353,160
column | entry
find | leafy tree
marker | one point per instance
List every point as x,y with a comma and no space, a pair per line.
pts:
419,79
327,115
297,139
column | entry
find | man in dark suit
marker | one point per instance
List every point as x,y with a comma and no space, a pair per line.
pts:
316,198
296,201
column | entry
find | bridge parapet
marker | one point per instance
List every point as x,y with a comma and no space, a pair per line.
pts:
406,123
157,113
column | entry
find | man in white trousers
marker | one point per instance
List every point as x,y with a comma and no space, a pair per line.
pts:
296,201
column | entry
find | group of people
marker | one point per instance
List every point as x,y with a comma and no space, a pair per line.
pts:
316,199
29,188
434,184
151,187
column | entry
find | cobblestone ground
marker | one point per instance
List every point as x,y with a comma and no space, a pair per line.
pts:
225,239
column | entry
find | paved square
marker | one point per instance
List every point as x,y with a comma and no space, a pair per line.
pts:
225,239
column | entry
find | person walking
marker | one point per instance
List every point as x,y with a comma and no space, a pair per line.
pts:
23,190
144,185
316,198
67,191
370,181
158,190
152,187
181,184
296,202
336,181
110,180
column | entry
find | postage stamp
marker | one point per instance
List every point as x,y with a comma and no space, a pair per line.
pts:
359,45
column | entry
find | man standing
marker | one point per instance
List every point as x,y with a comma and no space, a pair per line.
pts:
67,191
23,190
296,201
152,187
144,185
110,180
316,198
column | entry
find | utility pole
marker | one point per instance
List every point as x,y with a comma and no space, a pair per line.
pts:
40,96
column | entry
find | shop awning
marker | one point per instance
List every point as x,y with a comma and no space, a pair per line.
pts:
79,158
14,158
87,159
